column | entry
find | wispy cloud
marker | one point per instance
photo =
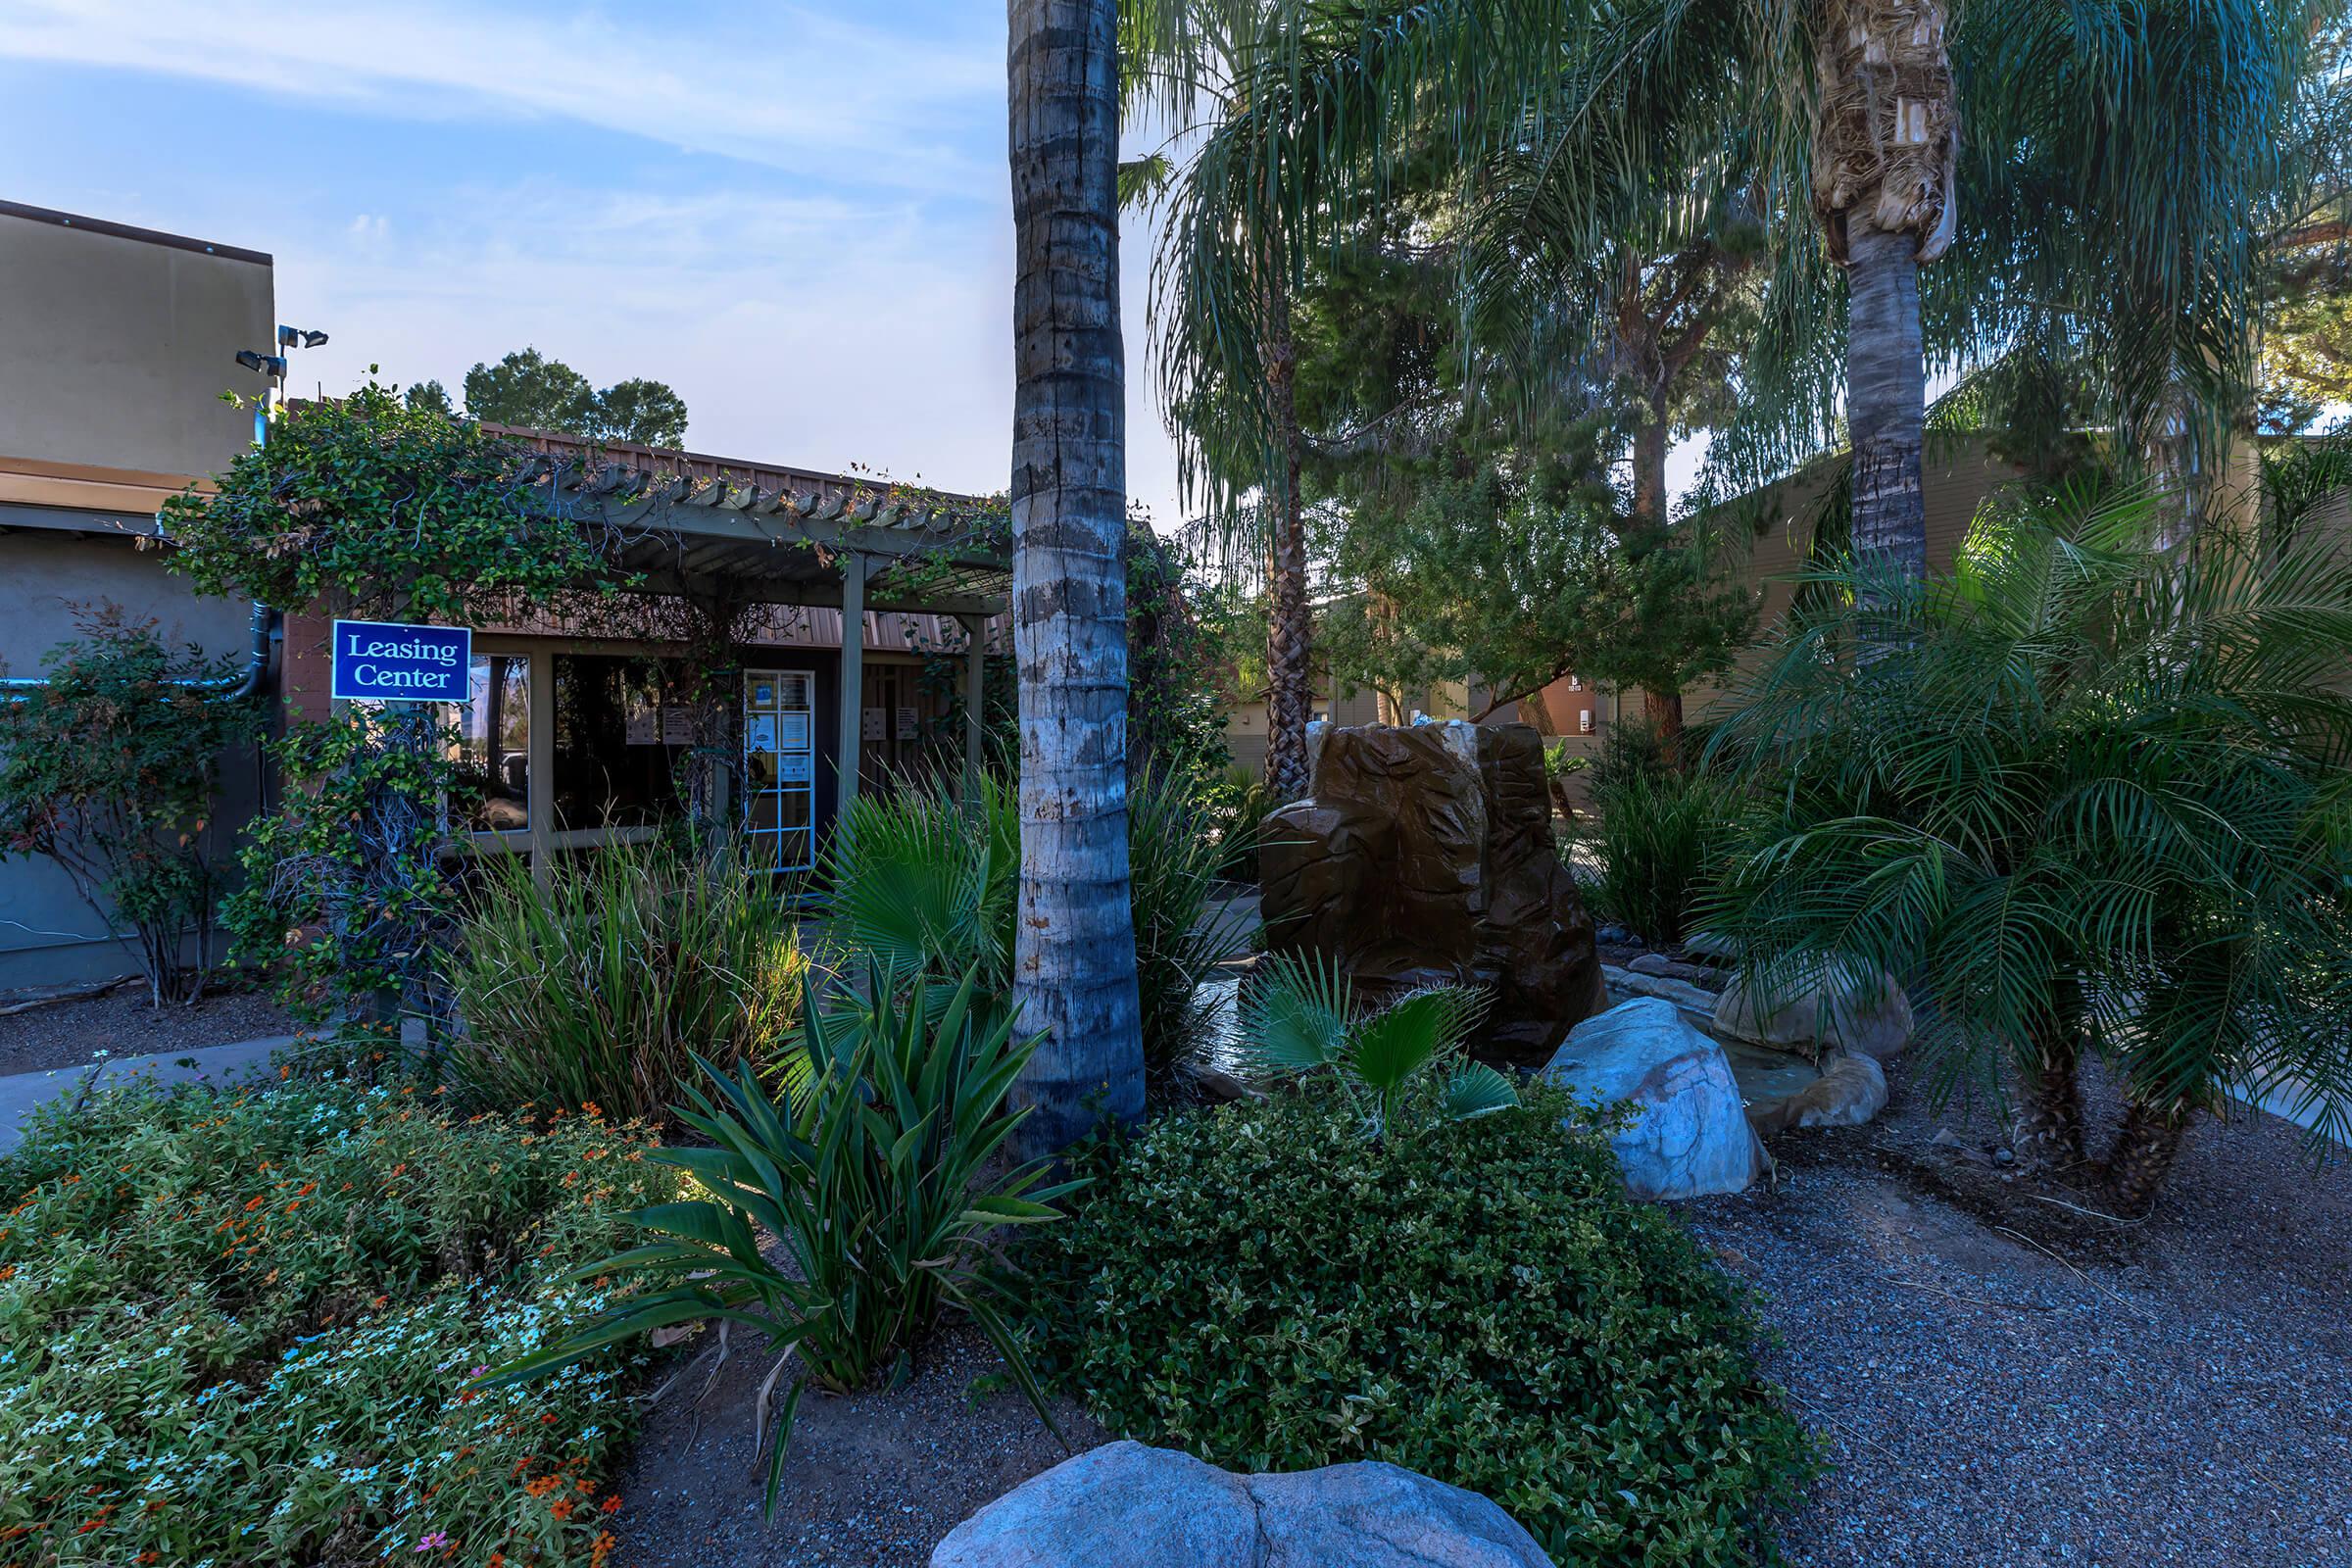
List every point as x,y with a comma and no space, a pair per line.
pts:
772,84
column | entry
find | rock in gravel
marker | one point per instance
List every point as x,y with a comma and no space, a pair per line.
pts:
1870,1021
1689,1133
1125,1505
1849,1091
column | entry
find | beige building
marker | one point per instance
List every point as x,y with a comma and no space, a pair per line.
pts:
120,343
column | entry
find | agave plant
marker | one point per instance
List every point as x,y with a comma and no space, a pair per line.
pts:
874,1178
2091,797
1300,1016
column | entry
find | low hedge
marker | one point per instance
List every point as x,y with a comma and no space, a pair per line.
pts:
1264,1287
236,1328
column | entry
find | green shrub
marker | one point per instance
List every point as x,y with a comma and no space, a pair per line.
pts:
2087,797
1172,859
237,1328
346,902
1478,1300
875,1178
1662,842
925,883
598,981
108,771
1241,801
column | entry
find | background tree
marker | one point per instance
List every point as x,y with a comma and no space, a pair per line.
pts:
1850,116
529,390
1238,425
1074,976
645,412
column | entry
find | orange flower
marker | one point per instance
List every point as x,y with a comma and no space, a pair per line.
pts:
612,1504
257,1203
561,1508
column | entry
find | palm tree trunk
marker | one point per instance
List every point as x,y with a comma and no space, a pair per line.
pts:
1290,627
1074,951
2145,1146
1885,399
1661,708
2050,1137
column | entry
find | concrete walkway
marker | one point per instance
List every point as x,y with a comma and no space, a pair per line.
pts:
21,1093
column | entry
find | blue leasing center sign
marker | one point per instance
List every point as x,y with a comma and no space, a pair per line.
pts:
390,662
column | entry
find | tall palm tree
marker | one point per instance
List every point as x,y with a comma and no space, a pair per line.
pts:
1074,948
1854,113
1186,60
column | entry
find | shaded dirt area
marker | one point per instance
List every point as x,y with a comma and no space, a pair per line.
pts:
121,1023
872,1481
1998,1379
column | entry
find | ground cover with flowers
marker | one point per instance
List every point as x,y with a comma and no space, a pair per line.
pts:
239,1328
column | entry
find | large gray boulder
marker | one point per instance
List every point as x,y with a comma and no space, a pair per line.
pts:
1124,1506
1688,1134
1872,1020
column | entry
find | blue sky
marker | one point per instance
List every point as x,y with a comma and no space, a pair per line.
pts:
796,215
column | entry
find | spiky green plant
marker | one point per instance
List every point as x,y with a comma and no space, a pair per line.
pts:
2086,797
1301,1015
602,977
873,1174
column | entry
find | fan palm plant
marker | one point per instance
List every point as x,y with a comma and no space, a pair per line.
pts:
926,882
2089,798
1302,1016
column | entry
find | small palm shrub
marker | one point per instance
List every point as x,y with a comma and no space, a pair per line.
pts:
926,882
237,1328
873,1173
1269,1290
2085,797
1300,1015
1663,833
602,979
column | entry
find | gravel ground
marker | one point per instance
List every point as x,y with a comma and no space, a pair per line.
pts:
1995,1380
1999,1380
122,1023
872,1481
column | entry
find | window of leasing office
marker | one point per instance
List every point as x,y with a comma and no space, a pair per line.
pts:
492,749
620,740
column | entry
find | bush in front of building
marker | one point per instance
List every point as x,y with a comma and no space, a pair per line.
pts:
599,979
1268,1287
109,768
238,1327
346,905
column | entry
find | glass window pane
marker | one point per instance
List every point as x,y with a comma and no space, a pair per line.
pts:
494,744
618,744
